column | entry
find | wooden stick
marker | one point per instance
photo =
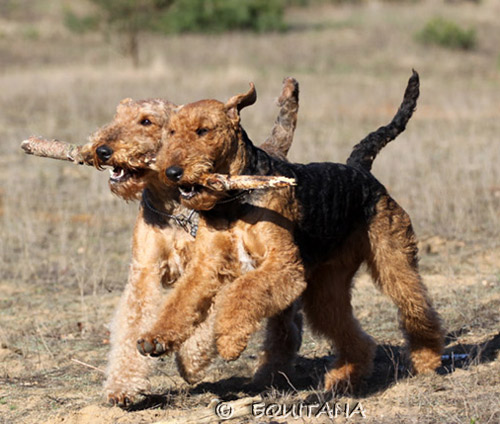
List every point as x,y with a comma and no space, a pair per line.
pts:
220,412
220,182
53,149
56,149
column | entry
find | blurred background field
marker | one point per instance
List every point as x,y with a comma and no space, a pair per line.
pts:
65,240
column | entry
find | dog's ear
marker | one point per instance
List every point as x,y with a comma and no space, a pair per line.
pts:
124,104
238,102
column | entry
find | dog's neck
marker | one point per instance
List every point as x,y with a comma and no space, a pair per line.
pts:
248,160
161,208
223,214
255,161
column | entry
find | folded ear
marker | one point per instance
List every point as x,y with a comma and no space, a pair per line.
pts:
126,101
238,102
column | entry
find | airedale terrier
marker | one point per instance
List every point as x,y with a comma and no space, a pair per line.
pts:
306,240
162,238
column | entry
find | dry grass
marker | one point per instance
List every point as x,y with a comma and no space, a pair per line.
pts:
64,247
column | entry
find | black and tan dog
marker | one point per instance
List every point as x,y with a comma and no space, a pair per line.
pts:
307,241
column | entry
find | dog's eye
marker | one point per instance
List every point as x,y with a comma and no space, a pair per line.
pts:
171,132
145,122
201,131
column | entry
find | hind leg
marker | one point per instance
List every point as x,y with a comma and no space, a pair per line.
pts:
393,264
282,342
327,304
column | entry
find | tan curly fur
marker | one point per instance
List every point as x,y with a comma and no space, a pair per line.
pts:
161,249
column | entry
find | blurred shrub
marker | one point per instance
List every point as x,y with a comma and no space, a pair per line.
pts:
446,33
130,17
402,1
80,24
125,17
223,15
31,33
174,16
314,2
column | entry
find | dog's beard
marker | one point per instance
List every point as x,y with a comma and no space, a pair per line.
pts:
130,189
128,183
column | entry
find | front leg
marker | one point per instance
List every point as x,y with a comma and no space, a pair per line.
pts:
199,350
213,263
139,306
127,371
261,293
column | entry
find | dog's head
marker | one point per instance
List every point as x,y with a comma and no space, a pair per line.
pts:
201,138
128,145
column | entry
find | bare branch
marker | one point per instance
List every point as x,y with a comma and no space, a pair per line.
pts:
56,149
53,149
220,182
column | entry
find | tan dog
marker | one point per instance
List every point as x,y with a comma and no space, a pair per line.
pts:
162,239
309,240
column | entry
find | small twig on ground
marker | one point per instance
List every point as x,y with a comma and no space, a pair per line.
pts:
88,365
42,338
288,381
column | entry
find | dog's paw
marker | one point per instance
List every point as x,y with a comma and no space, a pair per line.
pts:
153,346
345,377
230,348
121,399
122,390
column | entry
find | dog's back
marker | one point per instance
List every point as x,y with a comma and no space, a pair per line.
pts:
334,200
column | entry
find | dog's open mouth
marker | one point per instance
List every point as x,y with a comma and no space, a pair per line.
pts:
119,175
189,191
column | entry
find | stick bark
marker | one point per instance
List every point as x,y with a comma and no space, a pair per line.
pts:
53,149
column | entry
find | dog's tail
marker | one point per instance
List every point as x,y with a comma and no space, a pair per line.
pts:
279,142
364,153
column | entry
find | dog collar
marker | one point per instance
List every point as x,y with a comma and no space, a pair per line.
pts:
187,223
235,197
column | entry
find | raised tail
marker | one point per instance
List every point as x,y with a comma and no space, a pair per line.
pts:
279,141
364,153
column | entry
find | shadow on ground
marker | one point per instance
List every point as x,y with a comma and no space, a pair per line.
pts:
391,366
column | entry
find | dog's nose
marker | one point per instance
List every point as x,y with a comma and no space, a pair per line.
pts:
174,173
104,152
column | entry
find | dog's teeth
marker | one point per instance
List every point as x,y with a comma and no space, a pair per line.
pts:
187,194
116,173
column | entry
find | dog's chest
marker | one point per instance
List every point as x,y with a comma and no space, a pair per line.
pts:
250,252
176,258
247,263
